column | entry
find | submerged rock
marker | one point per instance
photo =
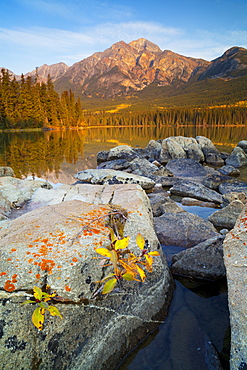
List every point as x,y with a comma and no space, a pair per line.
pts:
204,261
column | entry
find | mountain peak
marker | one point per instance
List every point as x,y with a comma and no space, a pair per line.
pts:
144,44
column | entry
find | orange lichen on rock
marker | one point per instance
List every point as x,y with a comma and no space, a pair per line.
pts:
47,265
9,286
67,288
3,273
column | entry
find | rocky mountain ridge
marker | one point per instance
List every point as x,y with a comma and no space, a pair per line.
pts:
124,69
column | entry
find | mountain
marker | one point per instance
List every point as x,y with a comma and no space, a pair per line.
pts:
140,75
55,71
232,64
126,68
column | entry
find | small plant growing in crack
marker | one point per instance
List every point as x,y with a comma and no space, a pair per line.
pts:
126,265
42,298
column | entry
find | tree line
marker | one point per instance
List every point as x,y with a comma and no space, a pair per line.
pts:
30,104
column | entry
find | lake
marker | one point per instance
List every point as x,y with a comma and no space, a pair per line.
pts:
58,155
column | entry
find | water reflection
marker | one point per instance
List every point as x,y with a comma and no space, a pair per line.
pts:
58,155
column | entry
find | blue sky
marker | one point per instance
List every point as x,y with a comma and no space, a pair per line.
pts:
35,32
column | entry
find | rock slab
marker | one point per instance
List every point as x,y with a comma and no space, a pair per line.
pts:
55,245
235,258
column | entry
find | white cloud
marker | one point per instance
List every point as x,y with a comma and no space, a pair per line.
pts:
36,46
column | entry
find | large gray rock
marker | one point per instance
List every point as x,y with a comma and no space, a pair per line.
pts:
190,147
196,190
227,216
238,158
116,164
122,152
233,185
183,229
188,168
142,167
55,245
235,253
204,261
175,150
105,176
243,144
211,153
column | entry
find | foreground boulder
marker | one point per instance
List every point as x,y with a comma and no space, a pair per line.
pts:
236,271
54,246
204,261
102,176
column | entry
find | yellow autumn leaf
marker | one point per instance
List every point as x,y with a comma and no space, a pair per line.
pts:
109,286
141,273
38,317
154,253
103,252
37,293
149,259
54,311
122,244
140,241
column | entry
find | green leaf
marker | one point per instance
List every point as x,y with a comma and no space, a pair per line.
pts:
37,292
43,305
54,311
109,286
45,295
122,244
106,278
140,241
28,301
128,276
38,317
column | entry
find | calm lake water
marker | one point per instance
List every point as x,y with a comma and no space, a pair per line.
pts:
58,155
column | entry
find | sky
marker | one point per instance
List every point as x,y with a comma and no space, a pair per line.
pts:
37,32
